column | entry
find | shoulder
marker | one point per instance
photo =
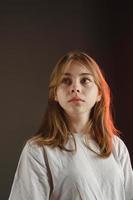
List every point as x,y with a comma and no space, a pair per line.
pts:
33,152
118,143
120,149
31,147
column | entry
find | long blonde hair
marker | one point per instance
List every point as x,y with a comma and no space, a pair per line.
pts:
54,130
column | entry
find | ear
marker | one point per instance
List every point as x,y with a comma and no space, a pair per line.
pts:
99,98
55,95
55,98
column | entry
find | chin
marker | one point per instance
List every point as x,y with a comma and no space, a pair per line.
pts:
76,112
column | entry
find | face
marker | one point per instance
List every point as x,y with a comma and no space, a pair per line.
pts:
77,92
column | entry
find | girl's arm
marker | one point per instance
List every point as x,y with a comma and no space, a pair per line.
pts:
31,181
125,161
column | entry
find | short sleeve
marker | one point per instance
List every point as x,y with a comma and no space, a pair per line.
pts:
31,180
124,158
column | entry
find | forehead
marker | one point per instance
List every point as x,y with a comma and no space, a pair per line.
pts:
76,67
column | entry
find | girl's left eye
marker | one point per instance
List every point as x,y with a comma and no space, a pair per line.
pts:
85,80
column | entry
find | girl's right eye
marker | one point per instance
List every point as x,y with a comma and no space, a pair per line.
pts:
66,81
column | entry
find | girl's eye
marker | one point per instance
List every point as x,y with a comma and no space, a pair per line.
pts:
85,80
66,81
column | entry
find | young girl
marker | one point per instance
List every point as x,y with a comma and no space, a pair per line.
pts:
76,154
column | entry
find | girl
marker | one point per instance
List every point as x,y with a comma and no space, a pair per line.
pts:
76,153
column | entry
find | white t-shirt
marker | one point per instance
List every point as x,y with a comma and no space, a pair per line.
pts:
44,173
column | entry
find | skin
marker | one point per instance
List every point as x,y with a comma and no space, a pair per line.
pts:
77,82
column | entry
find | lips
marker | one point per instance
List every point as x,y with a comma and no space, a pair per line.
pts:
76,99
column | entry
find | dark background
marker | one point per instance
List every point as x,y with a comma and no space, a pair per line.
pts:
33,36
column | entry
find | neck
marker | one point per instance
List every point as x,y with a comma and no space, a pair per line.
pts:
78,123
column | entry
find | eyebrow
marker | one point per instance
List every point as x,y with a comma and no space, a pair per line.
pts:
82,74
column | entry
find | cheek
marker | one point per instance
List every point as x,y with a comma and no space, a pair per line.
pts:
60,94
62,90
92,93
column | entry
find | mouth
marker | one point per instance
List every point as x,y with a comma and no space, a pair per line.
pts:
76,100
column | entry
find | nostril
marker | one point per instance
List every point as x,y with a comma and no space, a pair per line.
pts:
75,90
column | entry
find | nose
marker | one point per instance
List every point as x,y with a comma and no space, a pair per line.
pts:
75,88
